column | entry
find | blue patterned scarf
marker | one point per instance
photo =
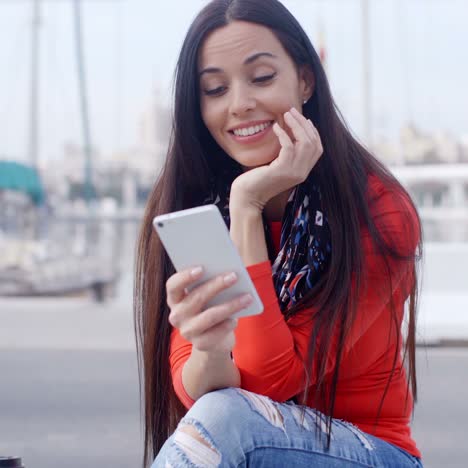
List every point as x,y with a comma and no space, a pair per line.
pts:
305,246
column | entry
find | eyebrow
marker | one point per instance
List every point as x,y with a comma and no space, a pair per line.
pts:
247,61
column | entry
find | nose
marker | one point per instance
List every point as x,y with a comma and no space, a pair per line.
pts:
242,100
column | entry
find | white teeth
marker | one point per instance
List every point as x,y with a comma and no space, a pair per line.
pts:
251,130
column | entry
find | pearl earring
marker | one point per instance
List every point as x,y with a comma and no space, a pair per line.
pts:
305,102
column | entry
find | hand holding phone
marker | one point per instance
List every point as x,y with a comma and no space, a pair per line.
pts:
208,329
204,302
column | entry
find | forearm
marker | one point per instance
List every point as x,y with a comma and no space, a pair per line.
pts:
208,371
248,235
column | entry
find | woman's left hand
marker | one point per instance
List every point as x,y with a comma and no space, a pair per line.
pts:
256,187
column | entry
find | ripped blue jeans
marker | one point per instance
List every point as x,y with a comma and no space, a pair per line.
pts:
236,428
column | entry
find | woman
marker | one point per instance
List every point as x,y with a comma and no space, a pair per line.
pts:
329,239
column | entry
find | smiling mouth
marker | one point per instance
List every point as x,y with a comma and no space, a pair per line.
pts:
250,131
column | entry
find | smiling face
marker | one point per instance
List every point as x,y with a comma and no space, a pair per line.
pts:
247,82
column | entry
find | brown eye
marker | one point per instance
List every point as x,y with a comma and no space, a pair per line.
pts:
264,78
215,91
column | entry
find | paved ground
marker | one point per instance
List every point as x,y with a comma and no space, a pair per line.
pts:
69,395
70,409
440,424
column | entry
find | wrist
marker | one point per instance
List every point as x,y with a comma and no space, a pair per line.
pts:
243,202
206,371
247,233
244,212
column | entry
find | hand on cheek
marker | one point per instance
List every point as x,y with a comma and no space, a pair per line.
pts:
282,123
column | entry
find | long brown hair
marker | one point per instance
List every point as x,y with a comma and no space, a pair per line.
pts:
194,160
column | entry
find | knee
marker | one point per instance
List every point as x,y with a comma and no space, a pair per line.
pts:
216,407
197,436
233,411
200,437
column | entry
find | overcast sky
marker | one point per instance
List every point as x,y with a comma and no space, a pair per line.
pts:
419,65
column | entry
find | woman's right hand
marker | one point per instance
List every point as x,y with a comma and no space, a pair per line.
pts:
208,329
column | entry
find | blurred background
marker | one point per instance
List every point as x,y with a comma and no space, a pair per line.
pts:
85,113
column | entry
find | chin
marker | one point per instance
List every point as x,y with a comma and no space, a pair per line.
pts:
247,166
252,161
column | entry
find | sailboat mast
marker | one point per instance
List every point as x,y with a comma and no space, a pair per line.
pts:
367,84
88,186
34,86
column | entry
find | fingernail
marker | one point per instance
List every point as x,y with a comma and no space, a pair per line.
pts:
246,300
196,271
230,279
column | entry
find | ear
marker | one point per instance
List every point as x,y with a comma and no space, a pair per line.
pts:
306,82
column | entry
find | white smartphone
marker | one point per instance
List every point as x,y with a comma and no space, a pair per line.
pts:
199,237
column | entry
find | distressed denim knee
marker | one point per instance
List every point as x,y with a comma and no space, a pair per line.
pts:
233,411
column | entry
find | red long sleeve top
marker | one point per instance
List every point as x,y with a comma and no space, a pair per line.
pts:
270,351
